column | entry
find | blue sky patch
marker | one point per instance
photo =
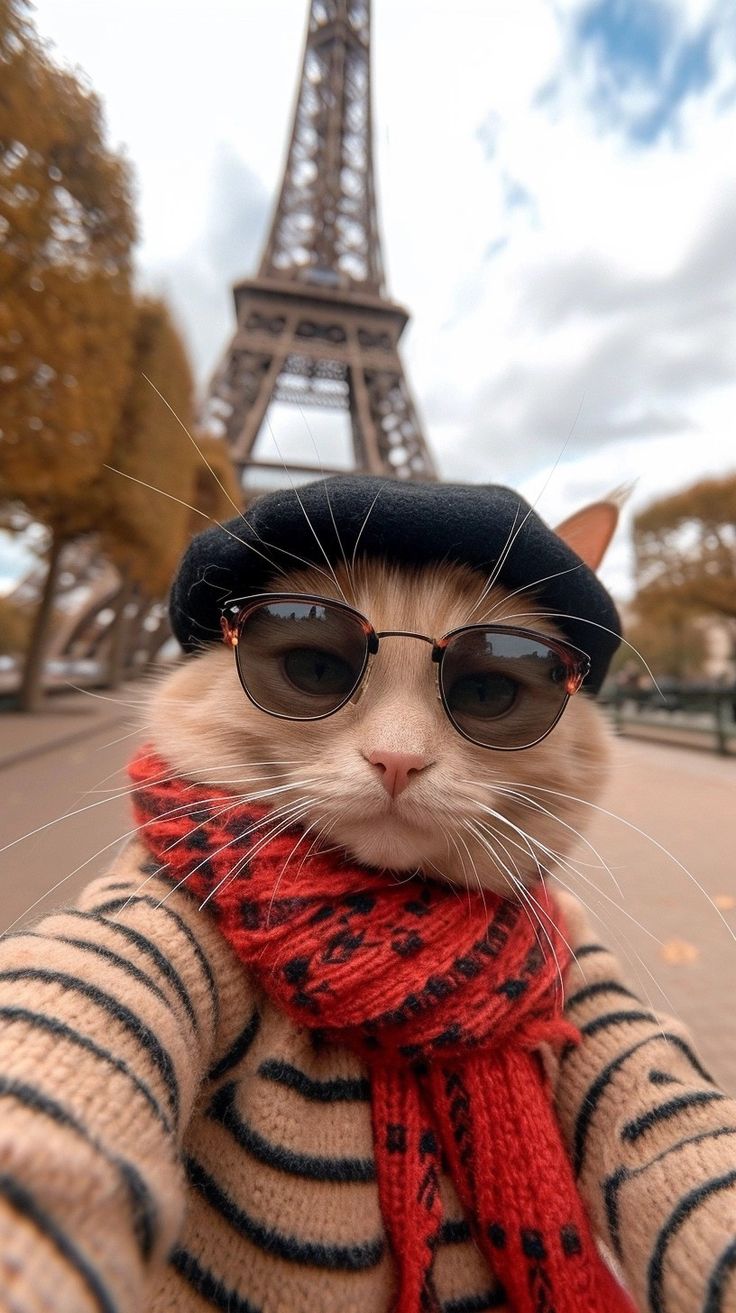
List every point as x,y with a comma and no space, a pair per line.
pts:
645,65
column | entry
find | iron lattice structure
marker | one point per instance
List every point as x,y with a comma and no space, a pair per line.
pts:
315,326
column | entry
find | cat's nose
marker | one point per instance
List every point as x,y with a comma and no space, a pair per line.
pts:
397,768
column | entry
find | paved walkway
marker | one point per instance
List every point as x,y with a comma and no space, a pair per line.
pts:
680,949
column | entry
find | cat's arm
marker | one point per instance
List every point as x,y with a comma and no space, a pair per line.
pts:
652,1139
110,1016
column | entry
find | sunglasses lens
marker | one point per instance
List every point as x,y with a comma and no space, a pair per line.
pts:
503,690
301,659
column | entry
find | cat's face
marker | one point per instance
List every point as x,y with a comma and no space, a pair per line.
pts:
467,815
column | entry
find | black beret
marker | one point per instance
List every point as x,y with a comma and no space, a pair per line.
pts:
406,523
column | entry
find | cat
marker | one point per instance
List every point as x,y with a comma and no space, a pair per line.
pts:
200,722
191,1123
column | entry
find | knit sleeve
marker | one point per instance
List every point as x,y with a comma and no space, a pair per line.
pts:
651,1137
110,1015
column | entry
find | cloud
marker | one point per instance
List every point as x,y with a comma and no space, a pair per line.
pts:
198,282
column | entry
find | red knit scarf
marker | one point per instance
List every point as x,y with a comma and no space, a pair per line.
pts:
446,998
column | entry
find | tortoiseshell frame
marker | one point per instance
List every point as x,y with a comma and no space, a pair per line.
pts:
235,614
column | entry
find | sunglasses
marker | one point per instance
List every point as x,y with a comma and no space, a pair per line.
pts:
303,658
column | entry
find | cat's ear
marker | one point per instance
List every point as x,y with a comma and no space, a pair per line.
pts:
590,530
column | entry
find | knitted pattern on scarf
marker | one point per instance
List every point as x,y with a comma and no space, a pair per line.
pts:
446,999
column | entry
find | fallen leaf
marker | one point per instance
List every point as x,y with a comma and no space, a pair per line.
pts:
678,952
725,901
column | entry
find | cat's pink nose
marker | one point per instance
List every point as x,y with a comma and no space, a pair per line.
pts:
396,769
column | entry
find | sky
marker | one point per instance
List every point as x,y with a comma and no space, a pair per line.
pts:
557,191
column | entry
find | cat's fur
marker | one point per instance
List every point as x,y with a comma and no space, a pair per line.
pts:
202,723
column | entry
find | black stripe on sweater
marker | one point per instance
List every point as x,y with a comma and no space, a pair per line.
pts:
312,1167
639,1125
685,1209
600,987
25,1205
143,1208
238,1048
40,1021
146,946
623,1174
595,1092
113,1008
719,1276
208,1286
311,1253
615,1019
338,1089
108,954
117,905
495,1297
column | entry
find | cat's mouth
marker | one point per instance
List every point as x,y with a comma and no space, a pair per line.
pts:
390,839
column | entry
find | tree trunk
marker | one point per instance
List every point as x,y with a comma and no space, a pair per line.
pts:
31,692
119,631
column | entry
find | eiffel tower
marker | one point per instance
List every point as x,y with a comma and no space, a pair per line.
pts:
315,327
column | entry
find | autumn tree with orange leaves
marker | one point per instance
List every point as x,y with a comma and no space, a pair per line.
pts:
66,234
158,487
685,548
88,445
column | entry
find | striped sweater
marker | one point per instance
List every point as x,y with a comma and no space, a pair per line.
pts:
171,1143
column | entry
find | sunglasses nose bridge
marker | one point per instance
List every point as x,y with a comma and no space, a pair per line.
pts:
375,639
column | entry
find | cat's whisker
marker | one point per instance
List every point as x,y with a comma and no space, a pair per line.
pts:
238,509
362,527
285,866
119,838
278,812
603,864
514,535
301,809
196,511
233,800
623,943
302,507
324,830
348,571
211,772
543,848
527,896
113,744
481,890
498,565
528,587
503,787
442,874
453,841
565,615
605,811
626,947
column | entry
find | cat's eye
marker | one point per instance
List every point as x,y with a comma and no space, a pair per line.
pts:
483,696
304,658
323,674
300,658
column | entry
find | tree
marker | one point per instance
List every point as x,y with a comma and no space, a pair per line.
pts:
671,642
143,502
66,233
686,550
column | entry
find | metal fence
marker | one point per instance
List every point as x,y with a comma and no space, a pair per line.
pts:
703,717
